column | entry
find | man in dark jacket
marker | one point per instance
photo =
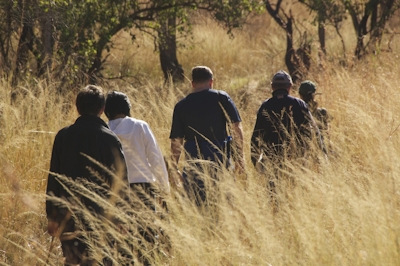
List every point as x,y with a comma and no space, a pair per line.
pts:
283,125
82,153
283,130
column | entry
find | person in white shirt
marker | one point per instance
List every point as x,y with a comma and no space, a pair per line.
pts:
147,171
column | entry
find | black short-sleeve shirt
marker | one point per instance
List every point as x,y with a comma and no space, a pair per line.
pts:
200,115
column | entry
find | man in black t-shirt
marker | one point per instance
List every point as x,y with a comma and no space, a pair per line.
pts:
200,125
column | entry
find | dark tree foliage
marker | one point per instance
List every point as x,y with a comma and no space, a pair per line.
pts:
328,12
70,40
369,18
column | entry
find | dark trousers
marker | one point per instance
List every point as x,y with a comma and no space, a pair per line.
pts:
77,251
201,182
145,202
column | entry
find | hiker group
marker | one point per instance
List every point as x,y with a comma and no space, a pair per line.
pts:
121,163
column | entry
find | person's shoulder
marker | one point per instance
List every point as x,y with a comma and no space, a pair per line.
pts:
223,97
64,129
109,137
295,99
299,101
106,132
268,101
220,92
132,120
62,132
139,122
322,112
182,102
265,104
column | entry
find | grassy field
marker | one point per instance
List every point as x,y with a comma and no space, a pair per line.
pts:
344,211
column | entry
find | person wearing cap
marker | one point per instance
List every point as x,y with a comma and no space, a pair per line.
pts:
307,92
199,125
147,171
283,127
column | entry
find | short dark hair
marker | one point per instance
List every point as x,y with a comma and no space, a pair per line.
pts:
201,74
117,103
90,100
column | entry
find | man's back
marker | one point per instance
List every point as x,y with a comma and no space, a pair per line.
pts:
143,155
200,116
201,119
88,136
283,121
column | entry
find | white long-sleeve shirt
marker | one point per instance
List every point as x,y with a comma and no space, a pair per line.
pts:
143,156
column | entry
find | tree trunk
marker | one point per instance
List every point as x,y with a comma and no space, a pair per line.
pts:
321,36
25,45
47,26
378,23
6,32
290,51
297,61
167,48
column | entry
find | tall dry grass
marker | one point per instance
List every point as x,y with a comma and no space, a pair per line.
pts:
343,211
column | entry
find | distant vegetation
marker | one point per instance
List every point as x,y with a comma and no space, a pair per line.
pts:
343,211
71,41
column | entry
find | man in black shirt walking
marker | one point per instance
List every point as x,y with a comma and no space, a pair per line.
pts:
284,123
283,131
199,124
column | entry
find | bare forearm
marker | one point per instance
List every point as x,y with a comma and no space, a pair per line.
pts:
238,138
176,149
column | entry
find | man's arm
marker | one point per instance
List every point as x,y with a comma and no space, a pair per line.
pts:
257,138
176,149
238,138
317,132
254,148
232,115
53,190
53,186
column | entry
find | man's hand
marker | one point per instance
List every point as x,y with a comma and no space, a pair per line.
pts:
175,175
176,178
52,228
